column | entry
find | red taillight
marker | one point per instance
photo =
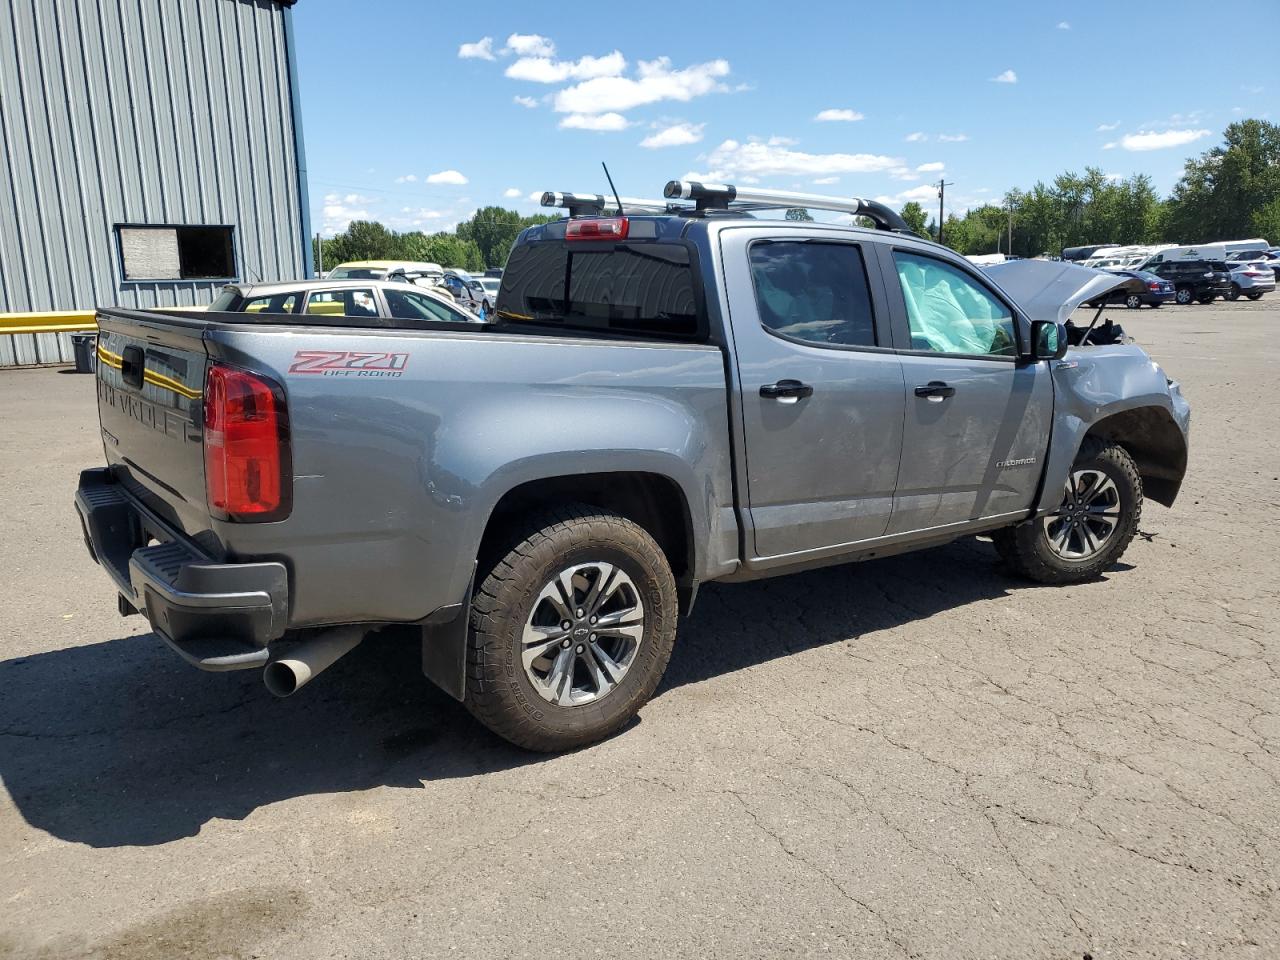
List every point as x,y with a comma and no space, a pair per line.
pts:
599,228
1153,286
246,452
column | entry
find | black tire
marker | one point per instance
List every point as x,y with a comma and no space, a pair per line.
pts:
500,693
1183,296
1026,550
1156,304
1206,300
1234,292
1254,296
1132,301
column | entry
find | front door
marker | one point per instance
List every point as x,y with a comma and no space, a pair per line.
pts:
977,417
821,394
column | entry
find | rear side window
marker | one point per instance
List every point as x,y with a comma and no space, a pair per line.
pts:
279,303
343,303
642,288
408,305
816,292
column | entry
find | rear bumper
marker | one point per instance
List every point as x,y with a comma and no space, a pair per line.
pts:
217,616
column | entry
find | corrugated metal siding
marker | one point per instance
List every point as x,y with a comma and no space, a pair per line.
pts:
141,111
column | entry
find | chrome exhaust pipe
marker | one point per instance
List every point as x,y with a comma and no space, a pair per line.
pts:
309,658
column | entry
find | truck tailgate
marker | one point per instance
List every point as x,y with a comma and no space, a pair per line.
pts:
151,372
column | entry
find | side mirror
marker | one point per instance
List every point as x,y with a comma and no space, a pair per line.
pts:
1048,340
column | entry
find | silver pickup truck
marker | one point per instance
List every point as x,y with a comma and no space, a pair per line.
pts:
664,399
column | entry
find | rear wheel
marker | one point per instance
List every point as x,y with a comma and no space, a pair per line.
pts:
1183,296
571,630
1254,296
1133,301
1089,530
1206,300
1234,292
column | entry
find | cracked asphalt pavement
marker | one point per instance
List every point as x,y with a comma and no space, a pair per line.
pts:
912,757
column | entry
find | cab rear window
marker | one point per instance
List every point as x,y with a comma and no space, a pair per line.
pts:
636,288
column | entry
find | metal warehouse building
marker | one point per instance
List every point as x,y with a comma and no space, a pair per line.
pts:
150,152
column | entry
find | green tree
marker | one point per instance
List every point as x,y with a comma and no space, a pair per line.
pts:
799,213
916,218
1224,191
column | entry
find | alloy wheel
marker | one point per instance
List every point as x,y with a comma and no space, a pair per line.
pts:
1088,517
583,633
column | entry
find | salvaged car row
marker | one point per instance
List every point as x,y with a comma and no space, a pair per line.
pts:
667,393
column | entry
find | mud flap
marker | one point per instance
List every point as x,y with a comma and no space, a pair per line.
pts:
444,644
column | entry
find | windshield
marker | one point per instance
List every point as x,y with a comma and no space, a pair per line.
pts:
356,273
626,287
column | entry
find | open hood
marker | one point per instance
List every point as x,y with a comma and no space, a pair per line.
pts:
1051,289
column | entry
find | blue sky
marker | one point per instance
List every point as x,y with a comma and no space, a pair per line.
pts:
415,114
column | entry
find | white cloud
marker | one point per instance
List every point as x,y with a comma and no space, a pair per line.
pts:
1104,127
676,135
903,173
1063,25
408,178
827,116
1007,76
916,137
824,181
953,137
655,81
1109,146
547,70
1151,140
774,157
933,167
340,209
921,195
511,192
482,49
529,45
595,121
526,102
536,196
448,176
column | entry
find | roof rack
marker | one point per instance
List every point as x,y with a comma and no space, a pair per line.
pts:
725,196
709,197
595,204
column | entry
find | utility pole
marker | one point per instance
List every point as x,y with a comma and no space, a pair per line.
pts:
1011,229
319,256
942,195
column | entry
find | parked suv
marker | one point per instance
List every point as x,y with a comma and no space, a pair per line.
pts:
1251,278
1201,280
663,401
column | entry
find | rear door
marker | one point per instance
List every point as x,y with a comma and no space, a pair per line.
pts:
977,417
821,391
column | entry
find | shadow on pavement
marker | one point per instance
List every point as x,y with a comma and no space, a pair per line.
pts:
120,743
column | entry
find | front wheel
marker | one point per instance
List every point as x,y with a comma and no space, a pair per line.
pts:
1254,296
1089,530
1183,296
1133,301
571,630
1234,292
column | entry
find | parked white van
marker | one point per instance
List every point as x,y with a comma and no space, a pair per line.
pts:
1190,251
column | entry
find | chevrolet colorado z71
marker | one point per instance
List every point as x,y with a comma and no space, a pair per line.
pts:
664,399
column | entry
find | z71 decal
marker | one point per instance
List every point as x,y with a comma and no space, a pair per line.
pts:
349,363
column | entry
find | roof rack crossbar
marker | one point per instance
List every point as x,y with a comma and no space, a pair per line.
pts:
596,204
726,196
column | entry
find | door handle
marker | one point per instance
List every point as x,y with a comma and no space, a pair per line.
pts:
935,391
786,390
